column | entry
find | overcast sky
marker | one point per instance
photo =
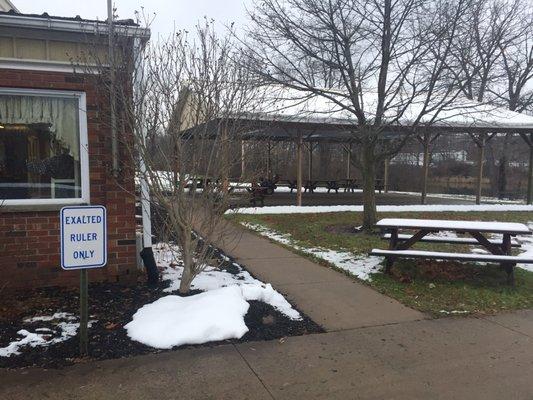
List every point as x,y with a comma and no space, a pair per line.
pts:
183,14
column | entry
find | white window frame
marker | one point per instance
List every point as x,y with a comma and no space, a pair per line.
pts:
84,147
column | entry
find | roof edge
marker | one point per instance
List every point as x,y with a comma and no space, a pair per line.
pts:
71,25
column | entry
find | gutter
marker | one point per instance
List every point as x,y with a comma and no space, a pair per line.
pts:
81,26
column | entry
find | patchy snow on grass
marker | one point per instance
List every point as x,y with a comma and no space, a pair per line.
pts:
406,208
174,321
358,265
212,278
65,329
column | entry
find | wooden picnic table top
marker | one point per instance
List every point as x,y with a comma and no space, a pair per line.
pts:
513,228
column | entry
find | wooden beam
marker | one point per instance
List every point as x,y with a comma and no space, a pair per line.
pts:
348,160
243,164
386,175
413,239
426,141
310,166
480,140
529,141
299,145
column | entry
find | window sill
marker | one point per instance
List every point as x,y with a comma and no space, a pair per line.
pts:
13,208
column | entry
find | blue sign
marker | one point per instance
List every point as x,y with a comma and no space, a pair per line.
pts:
83,237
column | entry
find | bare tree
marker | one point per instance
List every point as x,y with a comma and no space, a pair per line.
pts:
492,63
385,59
182,110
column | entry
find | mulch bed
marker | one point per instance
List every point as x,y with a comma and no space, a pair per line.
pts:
113,306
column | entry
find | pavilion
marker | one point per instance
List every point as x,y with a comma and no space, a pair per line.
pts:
289,115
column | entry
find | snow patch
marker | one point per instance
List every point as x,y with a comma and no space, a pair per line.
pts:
406,208
44,337
212,278
174,321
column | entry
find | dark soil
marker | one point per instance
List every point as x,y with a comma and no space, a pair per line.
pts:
112,306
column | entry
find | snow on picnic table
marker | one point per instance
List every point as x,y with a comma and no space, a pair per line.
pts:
455,225
216,314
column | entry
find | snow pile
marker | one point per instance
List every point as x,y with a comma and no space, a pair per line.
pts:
361,266
174,321
66,328
212,278
409,208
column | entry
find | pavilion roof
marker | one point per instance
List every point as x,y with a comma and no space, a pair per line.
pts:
286,105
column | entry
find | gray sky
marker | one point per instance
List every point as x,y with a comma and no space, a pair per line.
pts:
183,14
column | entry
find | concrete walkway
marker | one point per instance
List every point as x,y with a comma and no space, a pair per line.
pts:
375,348
450,358
330,298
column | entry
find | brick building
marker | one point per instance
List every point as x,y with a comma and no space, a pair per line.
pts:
55,147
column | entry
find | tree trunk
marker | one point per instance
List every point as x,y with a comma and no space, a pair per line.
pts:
368,165
187,253
187,276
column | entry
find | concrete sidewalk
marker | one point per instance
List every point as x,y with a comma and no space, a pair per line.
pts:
330,298
450,358
375,348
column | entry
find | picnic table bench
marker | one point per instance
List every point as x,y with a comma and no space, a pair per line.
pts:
312,185
257,193
348,185
424,231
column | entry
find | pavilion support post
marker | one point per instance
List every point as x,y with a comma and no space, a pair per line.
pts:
425,140
530,173
243,162
480,141
528,138
299,145
348,160
310,166
269,161
480,161
225,160
386,175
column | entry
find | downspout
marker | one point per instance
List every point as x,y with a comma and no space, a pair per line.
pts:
112,89
147,253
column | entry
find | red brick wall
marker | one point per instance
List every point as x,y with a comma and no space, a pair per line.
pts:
29,241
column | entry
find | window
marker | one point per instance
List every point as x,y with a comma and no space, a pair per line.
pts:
43,147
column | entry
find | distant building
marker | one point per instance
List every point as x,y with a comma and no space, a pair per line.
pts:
6,5
418,158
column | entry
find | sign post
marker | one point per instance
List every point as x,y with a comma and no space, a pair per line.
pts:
83,246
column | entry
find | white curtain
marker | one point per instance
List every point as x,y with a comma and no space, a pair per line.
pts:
60,113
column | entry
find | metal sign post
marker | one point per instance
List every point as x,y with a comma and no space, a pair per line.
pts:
83,246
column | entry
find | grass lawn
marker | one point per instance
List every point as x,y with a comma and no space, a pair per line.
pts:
429,286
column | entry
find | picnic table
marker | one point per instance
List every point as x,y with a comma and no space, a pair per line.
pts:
479,233
257,192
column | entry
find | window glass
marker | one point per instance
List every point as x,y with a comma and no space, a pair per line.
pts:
39,147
